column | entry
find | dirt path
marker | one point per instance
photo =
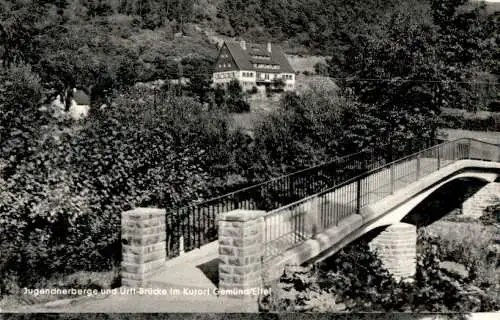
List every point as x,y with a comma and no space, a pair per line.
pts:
138,304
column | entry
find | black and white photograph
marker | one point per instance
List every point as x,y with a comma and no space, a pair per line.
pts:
272,157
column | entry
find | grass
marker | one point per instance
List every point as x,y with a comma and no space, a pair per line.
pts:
78,280
260,107
471,244
305,63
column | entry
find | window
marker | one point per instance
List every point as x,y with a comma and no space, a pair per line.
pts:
229,65
266,76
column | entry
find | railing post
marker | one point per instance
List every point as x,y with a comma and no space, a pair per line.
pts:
391,169
418,166
469,149
438,158
180,228
236,203
358,196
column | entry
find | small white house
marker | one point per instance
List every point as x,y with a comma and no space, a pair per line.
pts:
79,105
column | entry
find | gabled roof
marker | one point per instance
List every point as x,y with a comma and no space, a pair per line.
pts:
81,98
244,60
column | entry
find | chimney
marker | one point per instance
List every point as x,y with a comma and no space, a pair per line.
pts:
243,44
269,47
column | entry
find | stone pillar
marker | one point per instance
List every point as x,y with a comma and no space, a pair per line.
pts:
143,245
397,248
241,251
488,195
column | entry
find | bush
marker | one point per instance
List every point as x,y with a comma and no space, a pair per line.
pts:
355,279
239,106
470,244
235,100
254,90
298,291
60,211
491,215
461,121
439,291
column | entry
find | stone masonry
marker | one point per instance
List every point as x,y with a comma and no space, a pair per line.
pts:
477,203
240,251
397,248
143,245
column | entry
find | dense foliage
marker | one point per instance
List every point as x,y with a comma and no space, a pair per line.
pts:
421,58
462,121
491,215
316,25
355,279
60,209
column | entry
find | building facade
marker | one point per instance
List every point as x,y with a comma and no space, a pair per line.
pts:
253,65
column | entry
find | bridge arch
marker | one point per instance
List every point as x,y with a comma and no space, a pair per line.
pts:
403,213
397,214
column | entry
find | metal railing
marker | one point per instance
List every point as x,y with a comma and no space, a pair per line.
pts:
294,223
193,226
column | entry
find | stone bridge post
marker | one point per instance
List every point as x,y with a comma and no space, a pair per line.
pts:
397,248
240,252
143,245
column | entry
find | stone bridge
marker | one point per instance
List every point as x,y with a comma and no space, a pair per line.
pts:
253,247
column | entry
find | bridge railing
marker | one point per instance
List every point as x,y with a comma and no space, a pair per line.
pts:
195,225
294,223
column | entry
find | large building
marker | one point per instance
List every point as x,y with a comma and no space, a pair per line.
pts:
253,65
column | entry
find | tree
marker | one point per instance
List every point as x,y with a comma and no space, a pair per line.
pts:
97,8
19,26
467,46
21,121
219,95
397,71
235,98
200,81
64,201
309,129
278,84
321,68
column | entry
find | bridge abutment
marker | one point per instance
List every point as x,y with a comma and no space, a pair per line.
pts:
240,252
397,248
488,195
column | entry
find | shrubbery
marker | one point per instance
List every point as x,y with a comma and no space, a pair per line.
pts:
355,279
460,121
491,215
60,209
